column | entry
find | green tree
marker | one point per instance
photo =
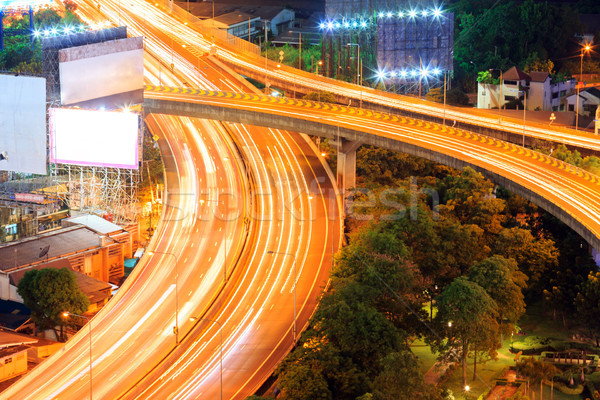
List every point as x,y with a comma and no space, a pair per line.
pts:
48,292
323,97
300,382
502,280
535,257
472,314
400,378
587,303
537,371
470,198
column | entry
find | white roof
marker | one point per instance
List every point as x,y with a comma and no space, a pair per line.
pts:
95,223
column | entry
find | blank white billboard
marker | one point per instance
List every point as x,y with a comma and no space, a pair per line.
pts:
101,69
98,138
23,124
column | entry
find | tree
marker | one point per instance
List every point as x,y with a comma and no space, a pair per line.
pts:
300,382
502,280
400,378
472,314
470,198
587,303
323,97
535,257
48,292
537,371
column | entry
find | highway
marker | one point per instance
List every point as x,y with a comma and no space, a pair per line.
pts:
232,191
284,202
572,190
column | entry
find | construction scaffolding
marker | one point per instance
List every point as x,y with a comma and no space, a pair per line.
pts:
108,192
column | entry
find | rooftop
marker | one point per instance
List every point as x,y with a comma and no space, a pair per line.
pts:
234,18
515,74
95,223
537,76
58,243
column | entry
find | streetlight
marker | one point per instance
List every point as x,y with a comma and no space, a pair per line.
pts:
176,327
357,61
467,388
193,319
66,314
295,279
499,92
587,49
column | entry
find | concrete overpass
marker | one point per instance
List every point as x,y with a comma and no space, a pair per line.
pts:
573,200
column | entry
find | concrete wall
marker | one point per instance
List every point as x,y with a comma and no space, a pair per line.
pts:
323,130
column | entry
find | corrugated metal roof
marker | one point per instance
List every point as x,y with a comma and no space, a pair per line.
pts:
95,223
60,242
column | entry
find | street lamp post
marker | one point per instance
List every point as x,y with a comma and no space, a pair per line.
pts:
176,327
220,349
295,280
499,92
66,314
586,48
357,61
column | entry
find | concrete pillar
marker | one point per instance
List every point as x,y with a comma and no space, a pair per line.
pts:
346,165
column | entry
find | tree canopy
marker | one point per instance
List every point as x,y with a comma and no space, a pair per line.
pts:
48,292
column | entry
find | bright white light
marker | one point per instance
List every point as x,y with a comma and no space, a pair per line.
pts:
381,14
390,14
363,24
67,29
393,74
82,27
275,94
53,31
337,25
330,25
381,75
403,74
36,33
413,73
46,32
424,72
436,71
437,12
85,137
424,13
346,24
354,24
400,14
412,13
322,25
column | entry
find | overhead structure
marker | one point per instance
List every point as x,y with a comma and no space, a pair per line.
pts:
93,165
414,41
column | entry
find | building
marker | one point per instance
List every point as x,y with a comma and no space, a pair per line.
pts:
589,100
88,252
233,17
535,90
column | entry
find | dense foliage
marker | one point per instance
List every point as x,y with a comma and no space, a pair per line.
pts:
49,292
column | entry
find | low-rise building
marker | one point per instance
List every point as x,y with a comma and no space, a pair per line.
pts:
589,100
88,252
536,90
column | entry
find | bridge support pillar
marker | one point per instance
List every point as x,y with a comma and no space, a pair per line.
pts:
346,164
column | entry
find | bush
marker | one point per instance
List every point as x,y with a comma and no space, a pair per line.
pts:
591,392
564,388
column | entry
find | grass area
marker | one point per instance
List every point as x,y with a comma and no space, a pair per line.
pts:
485,373
535,322
426,357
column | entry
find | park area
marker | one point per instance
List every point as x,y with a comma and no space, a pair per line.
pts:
546,351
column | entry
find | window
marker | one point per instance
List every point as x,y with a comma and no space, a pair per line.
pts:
571,107
555,95
563,93
510,83
509,98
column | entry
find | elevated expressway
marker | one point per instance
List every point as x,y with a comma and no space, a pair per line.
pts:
234,195
569,193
